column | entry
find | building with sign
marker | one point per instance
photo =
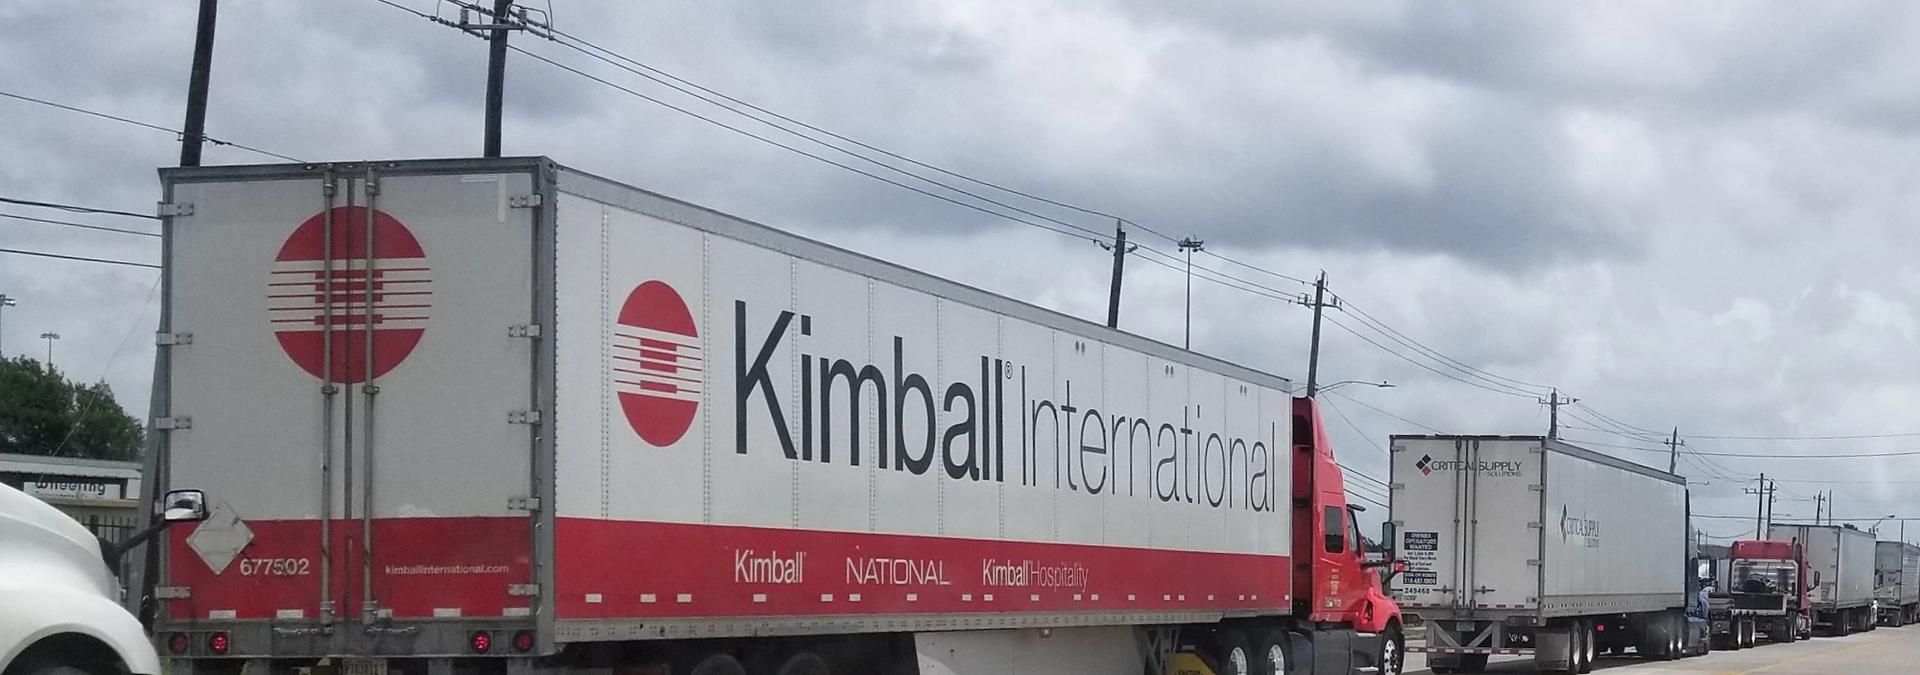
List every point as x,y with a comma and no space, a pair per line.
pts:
102,494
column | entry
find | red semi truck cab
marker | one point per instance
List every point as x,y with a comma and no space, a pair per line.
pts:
473,414
1765,595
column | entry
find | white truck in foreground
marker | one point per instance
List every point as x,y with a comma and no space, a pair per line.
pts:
503,415
1530,546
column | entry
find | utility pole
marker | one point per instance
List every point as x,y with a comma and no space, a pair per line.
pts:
5,302
1759,506
496,74
1673,450
1120,251
1818,498
1190,245
1553,401
1318,303
195,130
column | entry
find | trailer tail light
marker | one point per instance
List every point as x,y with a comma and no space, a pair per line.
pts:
523,641
178,643
481,642
1599,628
218,643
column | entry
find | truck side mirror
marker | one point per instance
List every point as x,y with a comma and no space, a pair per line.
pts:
184,506
1703,570
1389,539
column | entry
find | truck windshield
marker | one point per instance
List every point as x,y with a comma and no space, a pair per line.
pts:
1762,576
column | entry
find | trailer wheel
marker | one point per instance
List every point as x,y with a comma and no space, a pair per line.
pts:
804,663
1232,654
1780,634
1583,650
720,663
1270,656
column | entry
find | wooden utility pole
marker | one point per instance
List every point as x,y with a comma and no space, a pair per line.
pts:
1673,450
194,133
1120,251
1553,401
496,75
1318,303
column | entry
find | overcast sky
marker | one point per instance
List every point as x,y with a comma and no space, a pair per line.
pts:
1690,215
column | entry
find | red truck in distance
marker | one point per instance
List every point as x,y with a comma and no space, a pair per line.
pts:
1763,594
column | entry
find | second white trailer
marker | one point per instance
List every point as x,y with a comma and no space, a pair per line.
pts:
1526,545
1841,557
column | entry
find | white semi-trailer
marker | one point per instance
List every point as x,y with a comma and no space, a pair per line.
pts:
479,414
1841,559
1896,582
1525,545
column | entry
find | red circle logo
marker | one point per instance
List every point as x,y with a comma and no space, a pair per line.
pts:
316,308
657,363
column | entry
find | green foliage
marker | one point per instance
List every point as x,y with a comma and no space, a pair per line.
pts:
43,413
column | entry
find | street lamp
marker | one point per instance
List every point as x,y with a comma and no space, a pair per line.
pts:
49,337
1874,529
1383,384
5,302
1189,245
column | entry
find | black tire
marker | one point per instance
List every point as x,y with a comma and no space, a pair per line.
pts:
1392,658
720,663
1231,654
1780,634
1583,647
59,670
1472,663
804,663
1271,652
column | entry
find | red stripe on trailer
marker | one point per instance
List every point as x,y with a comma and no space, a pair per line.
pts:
755,571
419,565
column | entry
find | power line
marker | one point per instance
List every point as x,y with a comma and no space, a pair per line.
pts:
1431,369
76,208
84,226
1839,455
1377,409
79,258
146,125
1844,437
1397,336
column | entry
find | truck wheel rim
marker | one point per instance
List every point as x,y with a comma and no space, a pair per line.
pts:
1276,660
1237,661
1390,657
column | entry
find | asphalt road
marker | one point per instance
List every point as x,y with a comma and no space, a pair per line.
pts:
1886,650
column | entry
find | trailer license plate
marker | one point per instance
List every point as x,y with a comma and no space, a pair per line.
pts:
363,667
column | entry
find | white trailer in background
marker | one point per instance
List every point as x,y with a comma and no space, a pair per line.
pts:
1525,545
1841,557
1896,582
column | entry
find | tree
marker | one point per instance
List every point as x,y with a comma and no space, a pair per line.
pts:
43,413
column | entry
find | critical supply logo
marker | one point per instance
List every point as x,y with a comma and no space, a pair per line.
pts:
1500,468
1574,528
657,363
349,294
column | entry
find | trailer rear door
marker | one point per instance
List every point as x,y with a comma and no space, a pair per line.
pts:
350,378
1468,518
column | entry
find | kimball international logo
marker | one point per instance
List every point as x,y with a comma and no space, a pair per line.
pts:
336,294
656,364
1427,465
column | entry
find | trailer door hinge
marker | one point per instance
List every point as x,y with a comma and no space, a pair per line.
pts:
526,201
523,417
1534,562
523,503
1536,487
524,330
172,592
523,590
174,209
171,339
175,422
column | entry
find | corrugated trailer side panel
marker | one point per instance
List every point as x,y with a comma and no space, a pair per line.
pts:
1842,556
1615,537
757,433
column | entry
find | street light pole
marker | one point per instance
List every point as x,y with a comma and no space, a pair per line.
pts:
1383,384
49,337
1190,245
5,302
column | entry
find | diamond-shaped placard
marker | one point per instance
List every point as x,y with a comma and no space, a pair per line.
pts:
221,538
